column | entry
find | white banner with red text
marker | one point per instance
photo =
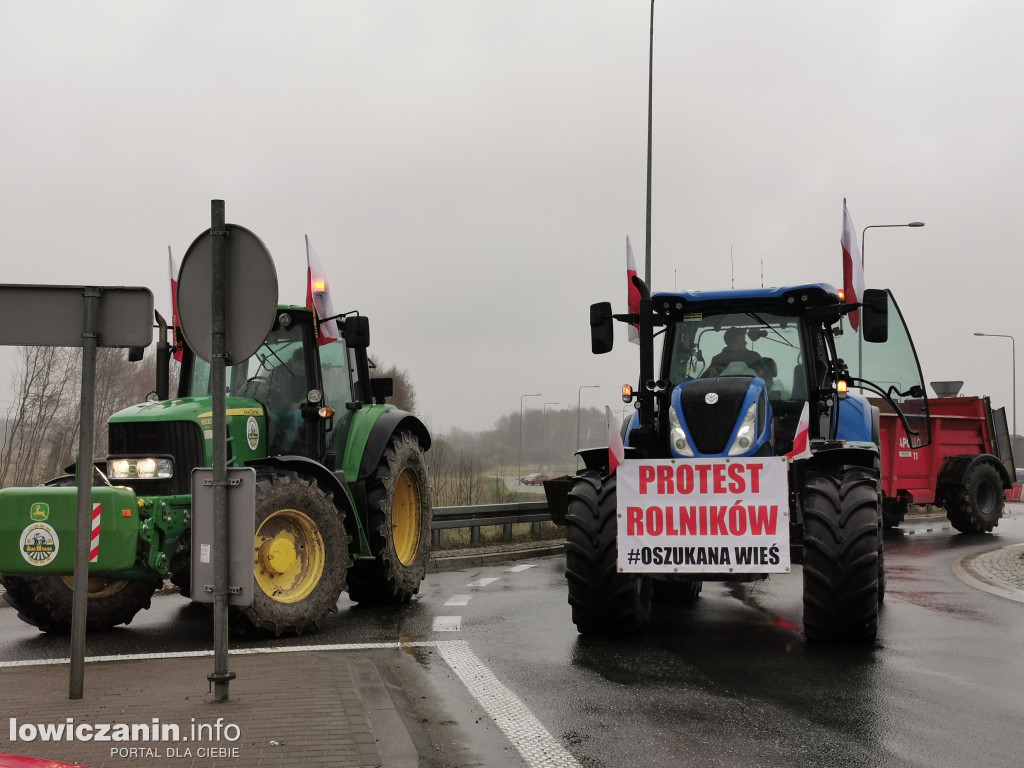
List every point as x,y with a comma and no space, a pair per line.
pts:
703,515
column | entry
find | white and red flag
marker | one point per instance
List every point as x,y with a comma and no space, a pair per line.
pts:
801,441
318,296
632,292
175,323
616,451
853,267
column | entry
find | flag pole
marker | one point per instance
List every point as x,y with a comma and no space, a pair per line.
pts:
650,101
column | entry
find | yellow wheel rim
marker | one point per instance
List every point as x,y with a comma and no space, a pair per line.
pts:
406,517
97,586
290,556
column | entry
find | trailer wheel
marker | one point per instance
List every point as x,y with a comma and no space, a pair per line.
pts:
841,555
45,601
398,526
300,556
604,601
894,512
676,592
977,506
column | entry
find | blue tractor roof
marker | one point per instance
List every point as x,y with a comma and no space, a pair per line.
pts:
796,298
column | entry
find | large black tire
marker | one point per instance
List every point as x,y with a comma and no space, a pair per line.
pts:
45,601
604,601
842,533
399,512
300,556
978,504
676,592
893,512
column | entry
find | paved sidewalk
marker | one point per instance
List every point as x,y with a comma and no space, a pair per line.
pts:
302,708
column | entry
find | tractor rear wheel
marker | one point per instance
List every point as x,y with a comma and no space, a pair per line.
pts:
842,532
300,556
978,504
604,601
398,511
45,601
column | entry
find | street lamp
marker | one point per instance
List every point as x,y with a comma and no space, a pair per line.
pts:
519,477
1013,361
863,232
579,397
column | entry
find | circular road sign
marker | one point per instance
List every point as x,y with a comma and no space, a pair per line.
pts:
250,289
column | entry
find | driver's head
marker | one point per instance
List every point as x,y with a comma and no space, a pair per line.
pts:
735,339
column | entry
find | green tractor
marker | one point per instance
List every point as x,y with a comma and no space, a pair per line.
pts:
342,494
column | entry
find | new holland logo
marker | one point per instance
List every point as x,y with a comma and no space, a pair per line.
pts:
39,511
711,398
39,544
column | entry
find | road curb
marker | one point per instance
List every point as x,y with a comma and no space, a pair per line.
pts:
966,569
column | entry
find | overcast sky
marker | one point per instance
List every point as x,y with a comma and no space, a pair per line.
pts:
469,170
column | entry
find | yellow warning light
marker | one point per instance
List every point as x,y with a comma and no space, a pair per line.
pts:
841,388
842,295
319,286
627,393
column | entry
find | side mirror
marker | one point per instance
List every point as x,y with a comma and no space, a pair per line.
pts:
357,332
601,336
874,316
382,388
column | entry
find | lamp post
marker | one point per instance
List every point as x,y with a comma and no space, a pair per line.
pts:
860,338
519,477
579,397
1013,362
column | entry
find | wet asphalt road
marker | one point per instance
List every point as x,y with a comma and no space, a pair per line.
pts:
728,682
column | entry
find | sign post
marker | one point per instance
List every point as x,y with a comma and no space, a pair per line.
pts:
89,317
226,324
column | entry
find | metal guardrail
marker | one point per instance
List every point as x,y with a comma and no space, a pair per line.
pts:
480,515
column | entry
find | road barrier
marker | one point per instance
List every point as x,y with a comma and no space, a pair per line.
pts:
480,515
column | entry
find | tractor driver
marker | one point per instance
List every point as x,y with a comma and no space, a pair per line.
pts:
289,398
735,351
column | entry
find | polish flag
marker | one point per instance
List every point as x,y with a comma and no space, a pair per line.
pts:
632,292
616,451
318,296
801,442
853,267
178,346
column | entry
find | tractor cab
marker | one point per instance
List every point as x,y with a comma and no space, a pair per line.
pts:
307,391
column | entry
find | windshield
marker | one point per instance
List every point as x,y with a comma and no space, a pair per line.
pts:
739,344
279,360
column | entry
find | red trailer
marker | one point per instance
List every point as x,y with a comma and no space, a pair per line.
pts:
966,469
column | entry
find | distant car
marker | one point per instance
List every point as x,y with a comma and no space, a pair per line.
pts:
535,479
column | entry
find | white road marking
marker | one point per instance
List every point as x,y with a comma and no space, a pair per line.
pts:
537,747
518,568
447,624
459,600
482,582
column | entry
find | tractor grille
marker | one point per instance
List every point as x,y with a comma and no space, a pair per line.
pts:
712,425
180,439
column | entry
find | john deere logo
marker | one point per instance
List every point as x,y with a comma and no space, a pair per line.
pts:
40,511
39,544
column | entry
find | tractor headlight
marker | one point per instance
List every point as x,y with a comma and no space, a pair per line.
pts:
147,468
676,436
747,434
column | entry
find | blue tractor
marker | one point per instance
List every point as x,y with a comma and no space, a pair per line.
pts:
748,453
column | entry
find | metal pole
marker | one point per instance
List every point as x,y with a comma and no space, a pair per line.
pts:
221,675
522,397
83,523
650,118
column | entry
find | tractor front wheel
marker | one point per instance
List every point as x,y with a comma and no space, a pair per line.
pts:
399,513
842,551
45,601
604,601
300,556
